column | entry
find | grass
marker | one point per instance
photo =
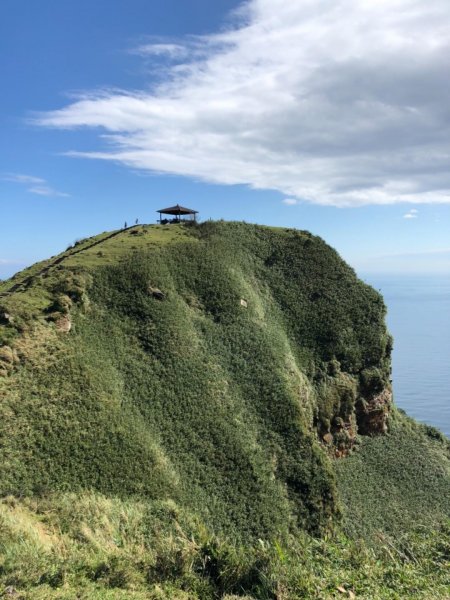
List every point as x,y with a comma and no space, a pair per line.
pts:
90,546
35,269
204,417
133,239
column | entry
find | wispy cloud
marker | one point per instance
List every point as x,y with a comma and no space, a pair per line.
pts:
190,48
45,190
411,214
290,201
19,178
7,261
337,102
35,185
161,49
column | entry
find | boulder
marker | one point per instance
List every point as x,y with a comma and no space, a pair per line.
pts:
64,324
328,438
5,318
156,293
10,592
6,355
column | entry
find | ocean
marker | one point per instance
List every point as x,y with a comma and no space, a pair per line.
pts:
419,320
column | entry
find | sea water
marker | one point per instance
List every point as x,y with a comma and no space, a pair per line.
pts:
419,319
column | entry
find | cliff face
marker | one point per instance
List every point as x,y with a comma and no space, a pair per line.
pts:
221,365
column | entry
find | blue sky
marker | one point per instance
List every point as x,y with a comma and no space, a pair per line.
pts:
330,116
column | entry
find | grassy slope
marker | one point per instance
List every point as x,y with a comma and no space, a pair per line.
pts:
396,482
169,400
90,547
103,249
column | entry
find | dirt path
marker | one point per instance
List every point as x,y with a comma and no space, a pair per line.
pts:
27,281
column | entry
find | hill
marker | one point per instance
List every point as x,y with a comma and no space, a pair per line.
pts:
195,411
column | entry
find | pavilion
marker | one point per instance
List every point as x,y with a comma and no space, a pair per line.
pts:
178,212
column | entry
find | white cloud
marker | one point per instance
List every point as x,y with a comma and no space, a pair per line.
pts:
291,201
159,49
411,214
38,185
19,178
338,102
45,190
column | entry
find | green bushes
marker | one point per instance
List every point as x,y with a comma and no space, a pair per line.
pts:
395,482
372,381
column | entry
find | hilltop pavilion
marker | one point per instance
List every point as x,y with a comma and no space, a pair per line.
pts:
178,212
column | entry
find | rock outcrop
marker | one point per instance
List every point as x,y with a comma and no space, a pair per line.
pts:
372,413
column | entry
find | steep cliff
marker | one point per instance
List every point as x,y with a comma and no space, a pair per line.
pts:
223,367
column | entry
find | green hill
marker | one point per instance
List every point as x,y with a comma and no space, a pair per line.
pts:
196,411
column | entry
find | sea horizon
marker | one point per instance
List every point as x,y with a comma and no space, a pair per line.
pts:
418,317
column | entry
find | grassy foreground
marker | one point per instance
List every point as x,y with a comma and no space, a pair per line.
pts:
89,546
172,400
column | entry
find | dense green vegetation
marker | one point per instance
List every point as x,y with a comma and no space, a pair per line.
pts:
397,481
178,441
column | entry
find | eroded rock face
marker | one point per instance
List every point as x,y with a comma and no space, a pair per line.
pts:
344,435
366,414
372,414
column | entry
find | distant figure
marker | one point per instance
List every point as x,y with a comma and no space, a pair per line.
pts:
125,225
136,222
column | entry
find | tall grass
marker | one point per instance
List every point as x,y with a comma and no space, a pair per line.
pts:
90,546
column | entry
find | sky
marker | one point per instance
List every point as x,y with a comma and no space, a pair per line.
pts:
326,115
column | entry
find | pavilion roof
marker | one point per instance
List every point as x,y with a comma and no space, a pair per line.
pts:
177,210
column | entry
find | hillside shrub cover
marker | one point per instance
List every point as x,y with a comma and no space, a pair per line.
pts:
171,445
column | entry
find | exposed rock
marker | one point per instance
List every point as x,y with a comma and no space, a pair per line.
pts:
8,359
244,303
6,355
156,293
341,435
10,592
342,590
64,324
328,438
5,318
372,414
